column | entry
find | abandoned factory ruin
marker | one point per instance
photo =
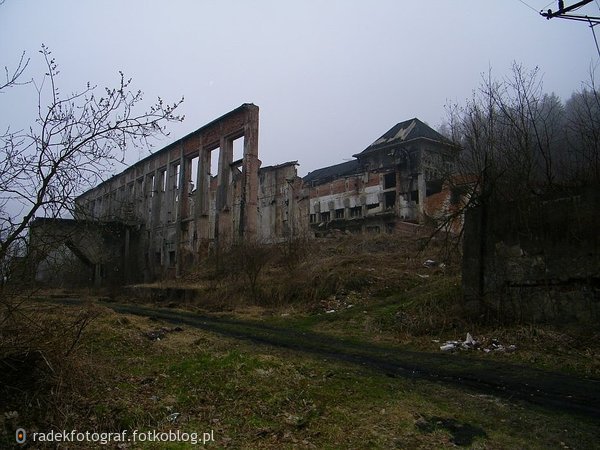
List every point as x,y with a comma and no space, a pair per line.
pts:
209,190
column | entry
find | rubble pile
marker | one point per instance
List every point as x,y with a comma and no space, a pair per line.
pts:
472,344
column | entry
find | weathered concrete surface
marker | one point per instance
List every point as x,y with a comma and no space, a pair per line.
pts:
197,195
534,261
391,181
71,252
206,192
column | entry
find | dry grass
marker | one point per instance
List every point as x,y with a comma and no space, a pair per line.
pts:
258,397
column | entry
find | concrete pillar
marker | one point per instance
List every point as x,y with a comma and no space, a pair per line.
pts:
203,198
180,194
251,165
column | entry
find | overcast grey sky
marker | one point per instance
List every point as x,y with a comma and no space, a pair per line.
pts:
329,76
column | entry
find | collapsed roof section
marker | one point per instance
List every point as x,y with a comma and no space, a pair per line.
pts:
403,132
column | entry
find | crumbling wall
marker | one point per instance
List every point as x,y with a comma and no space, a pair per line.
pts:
198,194
71,252
534,260
282,208
187,198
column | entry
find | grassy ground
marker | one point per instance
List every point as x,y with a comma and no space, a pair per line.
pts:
365,290
260,397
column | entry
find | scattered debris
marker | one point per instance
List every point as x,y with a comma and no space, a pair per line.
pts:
9,415
330,311
173,417
157,335
430,263
422,276
472,344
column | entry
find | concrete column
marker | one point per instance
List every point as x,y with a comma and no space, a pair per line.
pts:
181,193
251,166
203,182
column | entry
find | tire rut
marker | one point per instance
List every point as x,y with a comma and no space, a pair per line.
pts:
511,381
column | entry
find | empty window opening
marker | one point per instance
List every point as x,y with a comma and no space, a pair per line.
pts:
163,180
176,174
313,218
325,217
457,193
193,172
414,196
356,212
390,199
373,205
139,189
238,148
172,259
339,213
151,185
214,161
389,180
433,187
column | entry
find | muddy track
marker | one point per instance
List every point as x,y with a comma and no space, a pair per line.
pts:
547,389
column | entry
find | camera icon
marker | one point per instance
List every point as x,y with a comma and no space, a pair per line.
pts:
20,436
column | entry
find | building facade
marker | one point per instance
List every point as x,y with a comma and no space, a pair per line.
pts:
392,182
208,191
202,192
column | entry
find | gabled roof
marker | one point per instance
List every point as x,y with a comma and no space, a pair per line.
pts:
406,131
327,174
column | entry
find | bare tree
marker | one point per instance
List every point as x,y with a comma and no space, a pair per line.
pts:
13,76
583,135
512,136
73,142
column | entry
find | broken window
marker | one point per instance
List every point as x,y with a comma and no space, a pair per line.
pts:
390,199
457,193
172,259
389,180
313,218
325,216
214,161
414,196
238,149
163,180
433,187
339,213
356,212
153,185
373,205
139,189
193,173
176,172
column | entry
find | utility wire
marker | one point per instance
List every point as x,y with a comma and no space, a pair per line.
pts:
595,39
531,7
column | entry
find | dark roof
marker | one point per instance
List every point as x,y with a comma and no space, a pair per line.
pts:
327,174
406,131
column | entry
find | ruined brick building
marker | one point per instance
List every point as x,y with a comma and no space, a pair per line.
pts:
390,183
208,190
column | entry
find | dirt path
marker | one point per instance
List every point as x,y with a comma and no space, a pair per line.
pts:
547,389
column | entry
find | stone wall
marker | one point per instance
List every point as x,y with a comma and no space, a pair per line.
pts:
534,261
